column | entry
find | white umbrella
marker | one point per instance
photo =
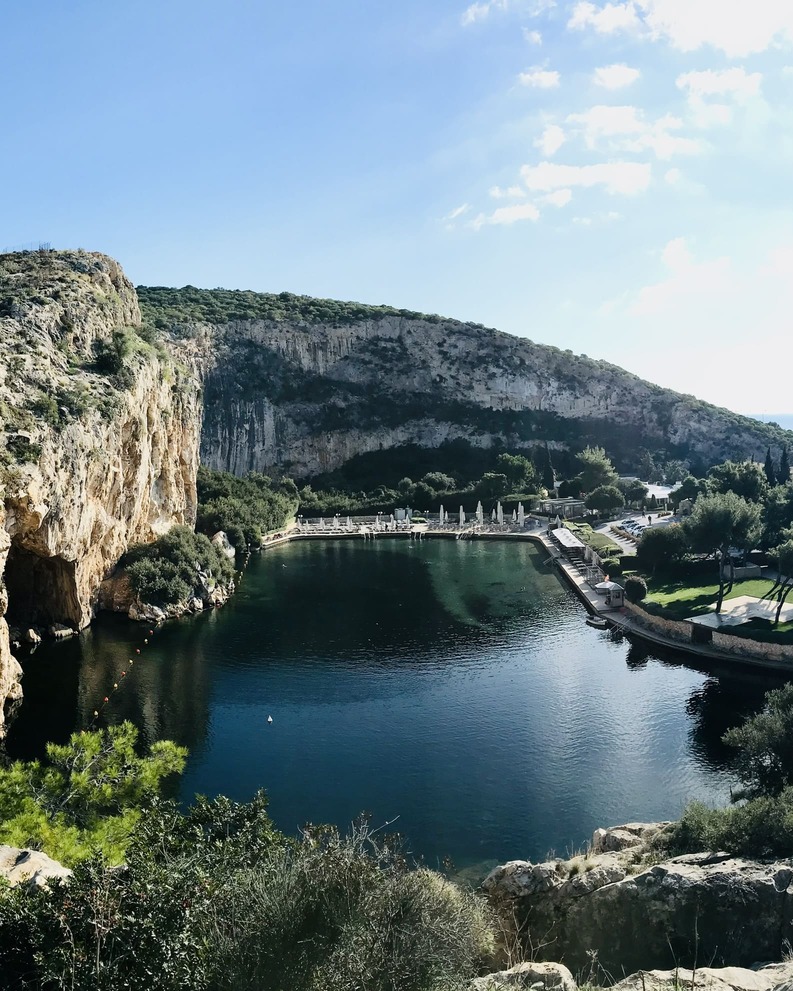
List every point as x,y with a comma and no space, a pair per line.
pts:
499,513
349,523
480,514
558,520
462,516
514,516
521,514
441,514
321,523
493,516
409,513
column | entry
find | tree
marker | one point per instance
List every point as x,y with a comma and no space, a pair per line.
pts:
570,487
519,471
783,475
770,471
783,555
633,489
405,487
635,588
689,489
544,466
675,471
719,523
605,499
596,469
86,798
765,747
492,485
646,466
777,514
438,481
661,546
744,478
424,495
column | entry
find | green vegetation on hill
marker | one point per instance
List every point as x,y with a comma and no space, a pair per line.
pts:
167,308
245,508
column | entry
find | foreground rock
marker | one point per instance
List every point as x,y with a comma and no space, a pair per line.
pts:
546,976
633,915
710,979
29,866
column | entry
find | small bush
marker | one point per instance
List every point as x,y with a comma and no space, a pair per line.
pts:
760,828
635,588
168,570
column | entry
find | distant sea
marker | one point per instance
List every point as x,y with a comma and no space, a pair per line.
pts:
783,419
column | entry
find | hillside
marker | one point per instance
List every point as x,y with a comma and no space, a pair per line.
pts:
303,385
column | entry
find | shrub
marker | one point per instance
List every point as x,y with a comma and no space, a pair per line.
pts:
612,566
762,827
635,588
662,546
167,571
216,899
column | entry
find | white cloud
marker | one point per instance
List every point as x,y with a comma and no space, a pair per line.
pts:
624,178
507,215
560,197
533,37
615,76
623,128
540,78
551,140
479,11
673,177
457,212
736,82
787,70
604,20
510,193
735,27
688,279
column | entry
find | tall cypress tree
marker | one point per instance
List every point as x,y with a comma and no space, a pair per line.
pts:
770,473
545,468
784,467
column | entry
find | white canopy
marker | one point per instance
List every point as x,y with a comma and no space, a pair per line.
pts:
607,586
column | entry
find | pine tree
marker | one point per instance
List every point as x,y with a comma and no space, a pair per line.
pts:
784,467
770,474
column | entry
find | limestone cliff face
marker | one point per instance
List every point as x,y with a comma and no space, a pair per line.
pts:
93,461
305,398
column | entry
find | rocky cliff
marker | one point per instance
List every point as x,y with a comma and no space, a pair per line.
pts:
618,905
99,442
303,385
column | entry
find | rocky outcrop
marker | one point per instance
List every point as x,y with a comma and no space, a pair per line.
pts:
29,867
306,397
94,459
633,915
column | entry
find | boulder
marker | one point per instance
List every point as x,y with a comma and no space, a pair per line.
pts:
29,866
759,978
221,541
632,834
719,909
550,976
60,632
31,636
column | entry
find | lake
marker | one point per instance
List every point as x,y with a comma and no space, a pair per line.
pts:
449,688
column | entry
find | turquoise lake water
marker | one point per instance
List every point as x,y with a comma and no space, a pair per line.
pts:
449,687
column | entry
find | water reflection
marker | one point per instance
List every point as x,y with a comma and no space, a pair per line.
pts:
453,685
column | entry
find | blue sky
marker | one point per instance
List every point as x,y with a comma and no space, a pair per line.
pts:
613,178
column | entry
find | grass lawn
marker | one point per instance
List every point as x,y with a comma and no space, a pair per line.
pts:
599,542
679,599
